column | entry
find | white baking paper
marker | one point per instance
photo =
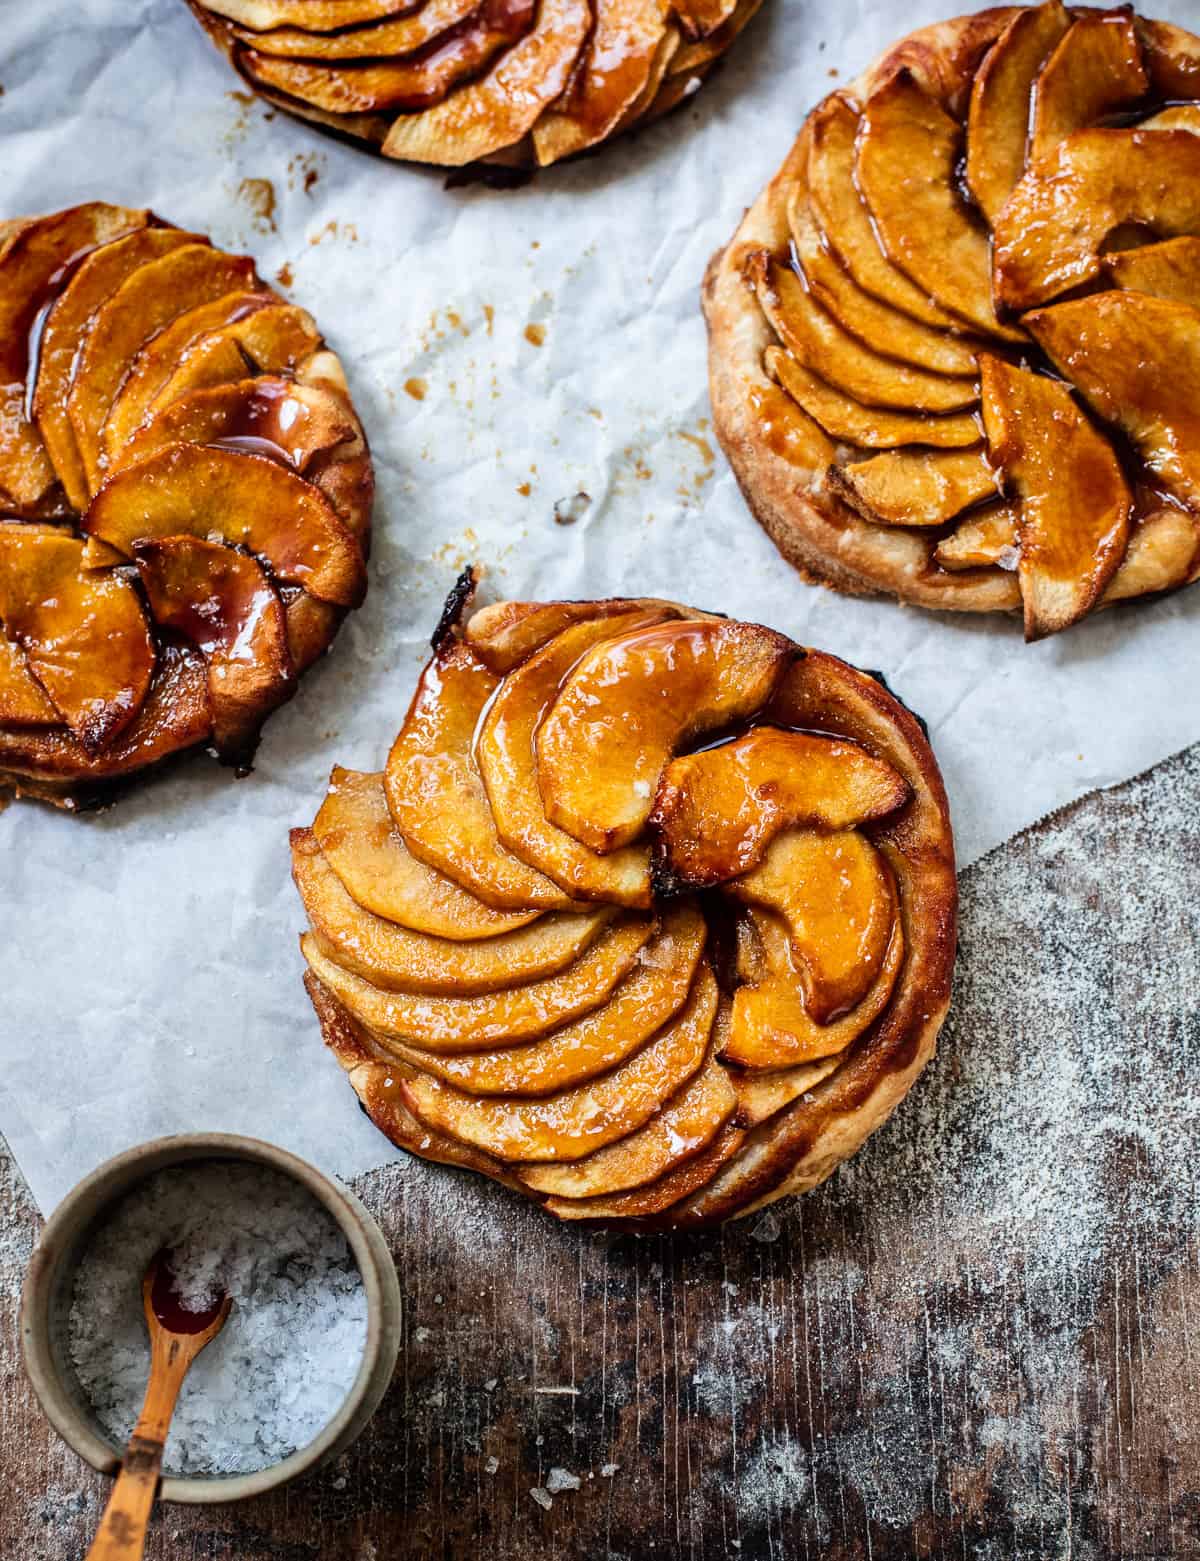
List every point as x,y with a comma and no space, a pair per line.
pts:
150,976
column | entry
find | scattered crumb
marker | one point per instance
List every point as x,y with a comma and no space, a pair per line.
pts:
560,1480
284,275
259,196
490,1385
346,230
607,1470
768,1229
535,334
542,1497
416,388
491,1465
489,315
524,489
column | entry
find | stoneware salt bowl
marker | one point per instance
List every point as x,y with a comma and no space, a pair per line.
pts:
46,1305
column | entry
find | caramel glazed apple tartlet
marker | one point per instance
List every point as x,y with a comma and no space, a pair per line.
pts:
955,344
651,915
519,83
185,499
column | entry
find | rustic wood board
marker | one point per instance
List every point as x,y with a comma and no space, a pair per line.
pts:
979,1340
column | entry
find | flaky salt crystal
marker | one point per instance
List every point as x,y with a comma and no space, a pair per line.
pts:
542,1497
562,1480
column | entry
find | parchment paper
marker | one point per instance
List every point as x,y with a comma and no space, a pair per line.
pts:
149,976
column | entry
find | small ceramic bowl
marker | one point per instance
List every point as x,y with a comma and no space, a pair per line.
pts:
46,1305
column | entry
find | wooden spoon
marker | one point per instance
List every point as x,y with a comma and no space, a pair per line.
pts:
177,1336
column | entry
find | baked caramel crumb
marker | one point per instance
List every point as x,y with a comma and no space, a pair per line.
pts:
416,388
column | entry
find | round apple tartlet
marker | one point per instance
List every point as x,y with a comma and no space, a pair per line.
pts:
650,915
955,343
518,83
185,500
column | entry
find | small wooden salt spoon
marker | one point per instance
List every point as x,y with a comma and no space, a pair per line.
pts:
177,1336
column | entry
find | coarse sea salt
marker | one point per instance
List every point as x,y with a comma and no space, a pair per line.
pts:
283,1364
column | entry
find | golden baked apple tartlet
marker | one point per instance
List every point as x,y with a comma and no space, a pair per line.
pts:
650,915
955,343
185,500
520,83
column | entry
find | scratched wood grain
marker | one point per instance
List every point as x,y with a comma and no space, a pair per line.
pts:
979,1340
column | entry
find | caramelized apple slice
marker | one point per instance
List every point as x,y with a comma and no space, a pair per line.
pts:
1162,554
699,18
313,16
906,167
1096,69
865,317
915,487
613,70
982,541
654,991
1137,361
1167,270
490,1019
436,795
872,428
717,811
646,105
506,756
246,500
377,40
1181,116
1172,58
1001,102
687,1124
34,263
1075,505
629,705
816,340
504,634
146,301
23,701
91,285
762,1095
365,849
398,959
504,105
846,224
225,604
577,1121
835,897
84,635
668,1191
405,84
771,1026
268,416
1049,236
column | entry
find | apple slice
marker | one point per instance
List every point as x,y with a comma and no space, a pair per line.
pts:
645,107
687,1124
613,70
865,317
146,301
834,894
506,756
653,993
405,85
90,286
915,487
1172,57
845,222
34,264
365,849
1001,102
1136,360
398,959
314,16
906,168
699,18
762,1095
1096,69
816,340
376,40
490,1019
653,1199
224,603
985,540
84,635
771,1026
436,795
871,428
631,703
581,1120
717,811
500,108
504,634
1074,503
1163,550
1167,270
23,701
1050,234
243,499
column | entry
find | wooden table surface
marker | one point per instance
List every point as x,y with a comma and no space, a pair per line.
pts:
979,1340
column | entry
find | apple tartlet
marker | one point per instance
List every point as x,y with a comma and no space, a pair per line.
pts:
650,915
185,500
516,83
955,343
